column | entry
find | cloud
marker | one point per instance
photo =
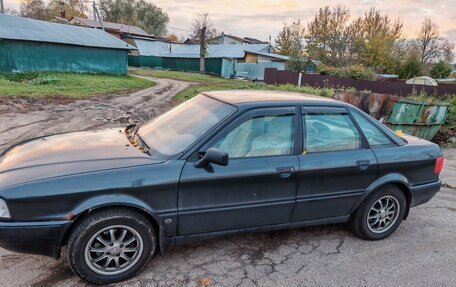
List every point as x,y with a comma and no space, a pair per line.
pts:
261,18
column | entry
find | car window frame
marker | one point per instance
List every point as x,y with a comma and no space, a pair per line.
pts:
394,142
250,114
329,110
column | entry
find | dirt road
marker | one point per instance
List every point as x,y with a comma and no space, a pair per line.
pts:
421,252
25,119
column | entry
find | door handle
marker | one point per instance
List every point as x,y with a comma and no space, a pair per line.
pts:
285,172
363,164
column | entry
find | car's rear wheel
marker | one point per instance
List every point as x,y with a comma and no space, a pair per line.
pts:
111,245
380,214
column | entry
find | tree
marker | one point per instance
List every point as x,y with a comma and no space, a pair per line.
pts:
73,8
297,63
428,41
135,12
290,40
440,70
373,37
431,46
411,68
328,36
173,38
203,30
447,49
35,9
11,12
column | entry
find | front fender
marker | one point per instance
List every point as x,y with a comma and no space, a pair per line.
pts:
392,178
118,200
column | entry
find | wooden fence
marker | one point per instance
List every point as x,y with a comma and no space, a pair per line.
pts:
274,76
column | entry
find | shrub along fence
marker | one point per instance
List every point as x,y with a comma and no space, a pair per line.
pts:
274,76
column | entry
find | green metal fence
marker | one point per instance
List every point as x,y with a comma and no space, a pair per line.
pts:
26,56
212,65
418,119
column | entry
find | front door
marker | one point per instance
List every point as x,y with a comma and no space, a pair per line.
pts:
257,187
336,167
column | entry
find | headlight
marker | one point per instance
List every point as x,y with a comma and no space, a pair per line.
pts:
4,212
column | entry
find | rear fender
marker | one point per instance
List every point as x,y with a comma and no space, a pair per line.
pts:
392,178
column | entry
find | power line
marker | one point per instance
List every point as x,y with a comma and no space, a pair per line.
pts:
180,29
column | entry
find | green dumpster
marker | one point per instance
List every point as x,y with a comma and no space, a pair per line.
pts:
419,119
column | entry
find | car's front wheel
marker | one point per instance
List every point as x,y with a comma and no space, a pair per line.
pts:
111,245
380,214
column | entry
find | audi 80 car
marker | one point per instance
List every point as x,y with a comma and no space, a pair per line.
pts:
221,163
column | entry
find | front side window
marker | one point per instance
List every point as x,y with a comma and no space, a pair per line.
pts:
330,132
174,131
374,136
260,136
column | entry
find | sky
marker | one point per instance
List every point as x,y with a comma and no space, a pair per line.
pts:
261,19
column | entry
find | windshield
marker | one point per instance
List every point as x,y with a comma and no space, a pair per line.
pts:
174,131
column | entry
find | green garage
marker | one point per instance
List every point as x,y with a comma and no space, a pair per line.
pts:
32,45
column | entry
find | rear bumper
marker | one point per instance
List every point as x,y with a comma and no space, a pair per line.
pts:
424,192
40,238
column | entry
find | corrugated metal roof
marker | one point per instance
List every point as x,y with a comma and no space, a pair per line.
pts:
152,48
127,29
19,28
216,51
161,49
271,55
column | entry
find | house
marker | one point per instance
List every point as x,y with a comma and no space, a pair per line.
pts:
256,56
190,41
226,39
33,45
116,29
226,60
133,35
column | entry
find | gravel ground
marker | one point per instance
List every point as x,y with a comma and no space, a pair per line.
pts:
421,252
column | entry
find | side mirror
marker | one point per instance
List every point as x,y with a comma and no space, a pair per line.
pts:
215,156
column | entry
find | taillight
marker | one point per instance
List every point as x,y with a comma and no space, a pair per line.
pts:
438,165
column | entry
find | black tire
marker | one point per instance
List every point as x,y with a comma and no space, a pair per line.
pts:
85,232
359,219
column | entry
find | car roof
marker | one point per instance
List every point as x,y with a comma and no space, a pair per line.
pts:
240,97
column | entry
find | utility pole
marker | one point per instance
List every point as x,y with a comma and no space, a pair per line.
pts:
96,15
202,49
2,8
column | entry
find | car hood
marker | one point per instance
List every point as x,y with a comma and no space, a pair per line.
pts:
69,153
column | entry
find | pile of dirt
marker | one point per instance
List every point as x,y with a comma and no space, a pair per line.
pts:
445,136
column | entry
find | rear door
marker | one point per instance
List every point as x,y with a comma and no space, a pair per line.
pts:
257,188
336,166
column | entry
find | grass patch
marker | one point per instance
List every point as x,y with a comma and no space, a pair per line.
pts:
212,83
71,85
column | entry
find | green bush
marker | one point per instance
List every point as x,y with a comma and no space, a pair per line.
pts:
354,71
451,116
440,70
411,68
297,64
21,77
46,80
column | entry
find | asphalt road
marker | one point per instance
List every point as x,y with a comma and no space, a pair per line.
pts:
422,252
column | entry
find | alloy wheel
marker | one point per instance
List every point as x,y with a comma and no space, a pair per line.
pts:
113,250
383,214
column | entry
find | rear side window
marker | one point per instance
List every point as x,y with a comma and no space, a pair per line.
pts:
330,132
374,136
